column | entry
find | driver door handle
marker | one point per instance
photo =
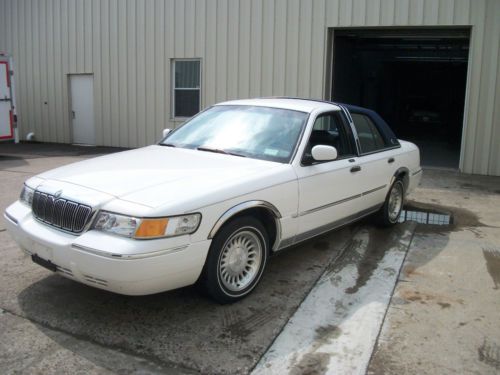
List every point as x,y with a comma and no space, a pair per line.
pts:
356,168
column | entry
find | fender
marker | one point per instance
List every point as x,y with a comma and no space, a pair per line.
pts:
245,206
406,179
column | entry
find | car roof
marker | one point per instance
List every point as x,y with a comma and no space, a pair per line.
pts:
296,104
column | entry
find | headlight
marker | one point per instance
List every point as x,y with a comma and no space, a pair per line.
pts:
144,228
117,224
27,195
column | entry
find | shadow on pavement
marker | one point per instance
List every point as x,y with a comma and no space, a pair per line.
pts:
181,327
9,161
33,150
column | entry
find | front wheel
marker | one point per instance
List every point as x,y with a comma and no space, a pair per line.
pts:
391,210
236,260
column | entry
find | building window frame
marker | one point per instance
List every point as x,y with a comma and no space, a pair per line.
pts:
173,88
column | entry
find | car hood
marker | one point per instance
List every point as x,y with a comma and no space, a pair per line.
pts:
157,175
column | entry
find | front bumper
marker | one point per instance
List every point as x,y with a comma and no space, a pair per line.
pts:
113,263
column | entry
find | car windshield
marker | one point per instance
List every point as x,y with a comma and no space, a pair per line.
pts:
250,131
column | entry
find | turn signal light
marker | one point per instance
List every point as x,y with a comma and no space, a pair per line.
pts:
152,228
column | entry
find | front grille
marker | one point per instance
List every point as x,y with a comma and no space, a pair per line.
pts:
60,213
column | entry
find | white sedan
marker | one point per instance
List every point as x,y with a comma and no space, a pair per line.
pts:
215,198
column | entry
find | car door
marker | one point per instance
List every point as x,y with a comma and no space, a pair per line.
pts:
329,191
376,160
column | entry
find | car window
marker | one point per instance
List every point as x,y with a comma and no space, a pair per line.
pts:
370,139
329,130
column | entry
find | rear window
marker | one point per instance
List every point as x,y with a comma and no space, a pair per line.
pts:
370,139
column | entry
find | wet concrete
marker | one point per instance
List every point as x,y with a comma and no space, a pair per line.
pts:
492,257
33,150
489,353
425,217
443,317
445,219
335,328
28,348
375,251
312,364
178,329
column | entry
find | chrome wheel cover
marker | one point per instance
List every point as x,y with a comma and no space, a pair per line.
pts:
240,260
395,202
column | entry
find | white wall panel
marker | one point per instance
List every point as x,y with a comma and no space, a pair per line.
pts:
304,54
280,41
248,48
221,51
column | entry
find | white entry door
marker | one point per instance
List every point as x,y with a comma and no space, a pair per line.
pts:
82,108
6,126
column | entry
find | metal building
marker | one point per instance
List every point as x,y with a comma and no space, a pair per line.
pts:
101,71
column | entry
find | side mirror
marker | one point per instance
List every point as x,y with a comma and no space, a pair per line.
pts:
324,153
165,132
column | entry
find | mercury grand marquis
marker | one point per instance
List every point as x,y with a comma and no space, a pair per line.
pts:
215,198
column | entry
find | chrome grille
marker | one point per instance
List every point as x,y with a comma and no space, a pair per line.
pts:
60,213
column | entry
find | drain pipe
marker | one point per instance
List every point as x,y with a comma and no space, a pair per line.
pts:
30,136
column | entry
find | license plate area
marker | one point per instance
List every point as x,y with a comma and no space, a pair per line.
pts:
44,263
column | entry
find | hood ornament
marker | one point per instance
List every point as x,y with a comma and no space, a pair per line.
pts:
58,193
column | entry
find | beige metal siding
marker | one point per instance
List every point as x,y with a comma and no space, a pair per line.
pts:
248,48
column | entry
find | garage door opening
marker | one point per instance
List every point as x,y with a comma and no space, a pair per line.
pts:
416,79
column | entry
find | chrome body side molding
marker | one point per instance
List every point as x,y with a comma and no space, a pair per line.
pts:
287,242
341,201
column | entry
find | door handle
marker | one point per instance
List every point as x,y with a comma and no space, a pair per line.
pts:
73,114
356,168
391,160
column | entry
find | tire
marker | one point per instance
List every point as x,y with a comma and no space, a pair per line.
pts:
236,260
391,210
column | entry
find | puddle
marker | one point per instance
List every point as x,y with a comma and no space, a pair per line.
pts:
433,218
380,240
425,217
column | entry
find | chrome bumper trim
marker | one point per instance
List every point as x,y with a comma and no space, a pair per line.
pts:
10,218
128,256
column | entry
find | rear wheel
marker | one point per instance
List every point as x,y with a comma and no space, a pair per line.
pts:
236,260
391,210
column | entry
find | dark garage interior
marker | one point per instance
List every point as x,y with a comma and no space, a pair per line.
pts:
414,78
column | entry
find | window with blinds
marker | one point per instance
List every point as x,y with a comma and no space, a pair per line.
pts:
186,95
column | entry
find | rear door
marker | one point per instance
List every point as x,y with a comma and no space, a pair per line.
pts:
376,159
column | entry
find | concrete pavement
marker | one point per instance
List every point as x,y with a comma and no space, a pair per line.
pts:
442,318
445,313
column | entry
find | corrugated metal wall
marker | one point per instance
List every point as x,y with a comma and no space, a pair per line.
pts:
248,49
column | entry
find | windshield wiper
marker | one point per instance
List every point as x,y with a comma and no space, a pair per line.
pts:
168,144
218,151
